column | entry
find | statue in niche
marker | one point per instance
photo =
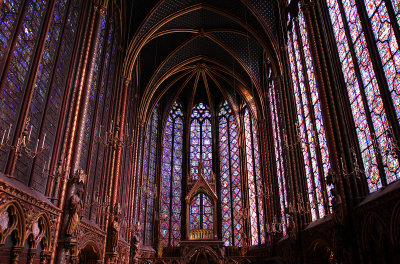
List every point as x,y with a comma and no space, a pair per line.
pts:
135,241
115,227
75,210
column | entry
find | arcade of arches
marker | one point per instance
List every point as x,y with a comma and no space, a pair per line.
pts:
200,131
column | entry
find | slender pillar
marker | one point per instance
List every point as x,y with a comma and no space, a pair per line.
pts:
82,87
113,232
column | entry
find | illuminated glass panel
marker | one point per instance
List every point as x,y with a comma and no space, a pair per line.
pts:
9,12
255,184
149,175
171,179
364,94
14,86
311,130
396,7
389,52
201,213
41,91
201,141
231,192
280,168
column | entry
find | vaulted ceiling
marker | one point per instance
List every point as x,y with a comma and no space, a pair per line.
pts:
200,50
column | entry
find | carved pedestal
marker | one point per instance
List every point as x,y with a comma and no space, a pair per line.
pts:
15,253
111,257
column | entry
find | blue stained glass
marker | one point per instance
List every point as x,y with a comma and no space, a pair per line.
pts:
231,194
41,87
14,87
171,179
201,213
201,141
368,85
9,12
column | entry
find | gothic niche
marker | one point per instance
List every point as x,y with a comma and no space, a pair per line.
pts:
201,204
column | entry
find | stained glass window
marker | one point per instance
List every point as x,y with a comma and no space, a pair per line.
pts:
363,89
311,131
9,11
255,183
278,148
200,140
41,91
148,178
14,83
171,179
231,191
201,213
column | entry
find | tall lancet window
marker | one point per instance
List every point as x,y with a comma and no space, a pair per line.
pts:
311,131
171,179
231,188
279,155
200,140
20,57
372,124
254,180
9,12
148,178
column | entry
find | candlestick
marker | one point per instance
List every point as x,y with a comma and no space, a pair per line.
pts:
2,140
9,130
37,144
30,132
44,140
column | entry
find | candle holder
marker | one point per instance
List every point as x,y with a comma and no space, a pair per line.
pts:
23,141
275,226
111,140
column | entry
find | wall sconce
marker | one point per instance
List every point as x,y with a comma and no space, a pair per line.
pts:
23,141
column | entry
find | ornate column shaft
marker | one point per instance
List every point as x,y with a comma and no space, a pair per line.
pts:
72,144
115,218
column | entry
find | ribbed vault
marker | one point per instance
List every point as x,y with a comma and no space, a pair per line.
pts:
224,43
